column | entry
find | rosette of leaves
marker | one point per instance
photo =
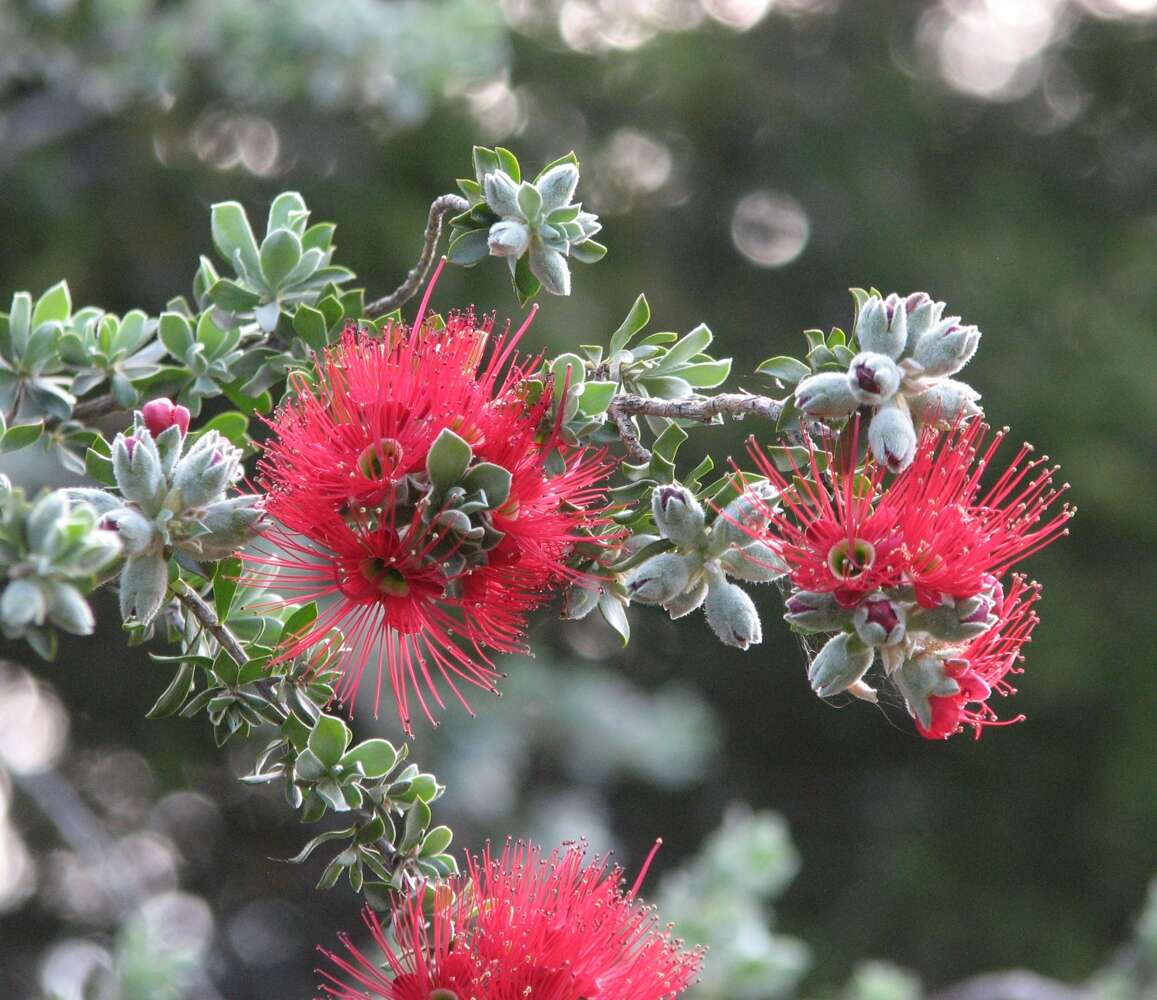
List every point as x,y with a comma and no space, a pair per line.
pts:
103,347
291,265
535,224
33,377
51,551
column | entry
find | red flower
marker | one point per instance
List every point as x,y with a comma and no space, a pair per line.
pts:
830,530
934,526
956,531
424,583
516,927
982,668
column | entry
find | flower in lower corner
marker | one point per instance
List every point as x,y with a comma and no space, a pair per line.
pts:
517,926
409,481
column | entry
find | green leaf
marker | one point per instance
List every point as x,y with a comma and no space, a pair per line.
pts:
706,374
695,342
486,162
636,319
232,426
228,295
418,818
469,248
526,285
310,325
436,841
286,207
318,237
298,623
615,616
21,436
568,369
508,162
173,697
787,369
447,459
377,757
54,306
225,578
99,467
176,334
596,397
303,855
492,479
280,253
233,236
530,202
329,738
588,252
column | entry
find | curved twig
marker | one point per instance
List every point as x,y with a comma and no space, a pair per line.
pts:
443,205
210,623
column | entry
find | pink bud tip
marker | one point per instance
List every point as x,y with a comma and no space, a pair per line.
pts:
161,414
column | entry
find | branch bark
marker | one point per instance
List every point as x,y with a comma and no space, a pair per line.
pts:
447,204
209,622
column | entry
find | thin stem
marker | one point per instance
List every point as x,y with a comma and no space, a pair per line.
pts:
736,405
211,624
443,205
90,409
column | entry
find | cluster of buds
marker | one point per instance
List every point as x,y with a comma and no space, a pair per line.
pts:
908,350
50,551
171,498
916,572
693,572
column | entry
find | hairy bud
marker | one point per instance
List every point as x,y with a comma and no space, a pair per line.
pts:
688,601
892,437
945,403
161,414
826,395
743,518
143,583
922,679
678,515
880,621
508,238
842,662
882,326
731,613
946,348
924,312
754,563
659,579
810,612
873,378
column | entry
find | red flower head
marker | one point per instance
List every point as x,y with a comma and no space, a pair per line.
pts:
427,563
957,532
983,666
516,927
830,530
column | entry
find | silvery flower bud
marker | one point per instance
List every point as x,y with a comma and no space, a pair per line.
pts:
70,611
754,563
953,621
743,518
557,186
550,267
826,395
678,515
945,403
143,584
731,613
508,238
946,348
812,612
841,663
880,621
921,679
22,604
137,533
578,601
228,524
206,470
659,579
137,468
892,437
882,326
501,194
873,378
924,312
100,501
686,602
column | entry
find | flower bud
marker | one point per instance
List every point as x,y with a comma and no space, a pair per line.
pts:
22,604
161,414
501,194
206,470
873,378
882,326
892,437
659,579
70,611
946,348
954,621
826,395
143,583
731,613
578,601
754,563
743,519
228,525
945,403
810,612
508,238
678,515
686,602
137,468
880,621
924,312
137,533
921,680
557,186
841,663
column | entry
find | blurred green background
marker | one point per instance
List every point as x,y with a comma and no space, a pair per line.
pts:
750,160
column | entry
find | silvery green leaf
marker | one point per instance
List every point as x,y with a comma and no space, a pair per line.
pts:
100,501
550,268
70,611
501,194
233,236
45,523
267,315
22,604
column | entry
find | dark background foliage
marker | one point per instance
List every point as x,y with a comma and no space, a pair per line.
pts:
1030,209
